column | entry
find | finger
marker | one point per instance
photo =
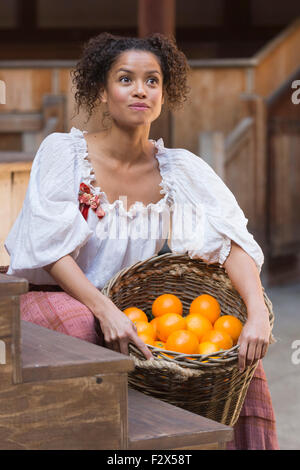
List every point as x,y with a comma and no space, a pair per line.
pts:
251,353
116,346
258,352
113,345
242,355
124,346
142,347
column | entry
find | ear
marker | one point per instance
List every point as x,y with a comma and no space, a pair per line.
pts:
103,96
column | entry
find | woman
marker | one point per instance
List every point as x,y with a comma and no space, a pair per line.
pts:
75,231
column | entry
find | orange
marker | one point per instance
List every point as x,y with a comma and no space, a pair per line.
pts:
207,306
147,339
159,344
207,347
135,314
222,339
154,324
183,341
168,323
198,324
166,303
232,325
145,328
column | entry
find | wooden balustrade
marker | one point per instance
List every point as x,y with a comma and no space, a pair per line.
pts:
233,159
220,87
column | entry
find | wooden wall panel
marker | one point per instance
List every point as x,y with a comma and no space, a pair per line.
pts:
240,178
214,104
19,188
14,178
11,141
25,88
277,61
284,221
5,192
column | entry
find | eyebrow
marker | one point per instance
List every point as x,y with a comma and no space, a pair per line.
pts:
130,71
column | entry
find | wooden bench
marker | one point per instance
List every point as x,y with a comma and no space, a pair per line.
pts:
59,392
154,424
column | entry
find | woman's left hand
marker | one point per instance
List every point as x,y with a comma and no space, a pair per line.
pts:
254,339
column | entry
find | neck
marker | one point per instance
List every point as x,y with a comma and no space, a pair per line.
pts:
126,148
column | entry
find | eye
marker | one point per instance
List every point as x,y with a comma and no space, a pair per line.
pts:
155,79
122,78
152,78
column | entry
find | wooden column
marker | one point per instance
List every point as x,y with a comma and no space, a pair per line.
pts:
158,16
27,15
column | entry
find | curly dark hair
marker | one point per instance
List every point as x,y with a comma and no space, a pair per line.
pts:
100,52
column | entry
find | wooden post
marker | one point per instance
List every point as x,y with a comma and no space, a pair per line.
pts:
261,171
212,150
10,336
158,16
255,107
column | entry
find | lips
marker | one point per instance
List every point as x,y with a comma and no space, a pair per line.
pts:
139,105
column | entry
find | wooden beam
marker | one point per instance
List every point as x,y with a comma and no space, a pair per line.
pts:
156,16
197,34
237,14
27,15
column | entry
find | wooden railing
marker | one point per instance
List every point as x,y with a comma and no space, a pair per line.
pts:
221,88
233,159
34,126
15,167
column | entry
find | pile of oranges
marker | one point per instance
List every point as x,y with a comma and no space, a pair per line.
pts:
202,331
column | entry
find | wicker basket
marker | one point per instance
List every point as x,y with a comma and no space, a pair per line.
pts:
215,388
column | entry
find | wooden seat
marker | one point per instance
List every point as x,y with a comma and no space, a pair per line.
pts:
154,424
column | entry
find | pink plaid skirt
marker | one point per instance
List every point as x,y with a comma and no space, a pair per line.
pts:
255,428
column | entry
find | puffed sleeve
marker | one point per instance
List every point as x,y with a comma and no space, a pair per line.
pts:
50,224
206,216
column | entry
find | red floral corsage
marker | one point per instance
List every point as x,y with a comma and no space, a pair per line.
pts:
87,200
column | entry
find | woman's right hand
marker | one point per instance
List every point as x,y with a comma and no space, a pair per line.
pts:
118,330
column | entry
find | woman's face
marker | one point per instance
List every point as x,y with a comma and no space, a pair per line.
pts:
135,77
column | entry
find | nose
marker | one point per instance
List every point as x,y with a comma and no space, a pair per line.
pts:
139,89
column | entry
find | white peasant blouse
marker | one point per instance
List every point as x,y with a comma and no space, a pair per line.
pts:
198,215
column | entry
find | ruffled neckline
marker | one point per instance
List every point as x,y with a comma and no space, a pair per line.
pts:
166,183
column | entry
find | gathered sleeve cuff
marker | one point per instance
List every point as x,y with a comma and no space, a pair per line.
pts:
50,224
206,217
